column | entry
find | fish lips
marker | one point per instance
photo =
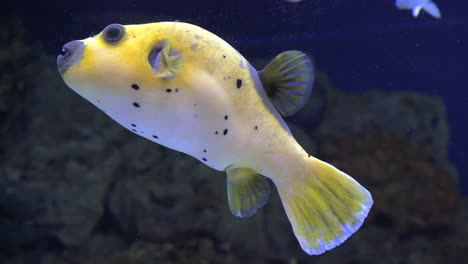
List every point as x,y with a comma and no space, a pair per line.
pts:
72,52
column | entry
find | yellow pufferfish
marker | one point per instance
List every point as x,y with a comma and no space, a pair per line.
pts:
185,88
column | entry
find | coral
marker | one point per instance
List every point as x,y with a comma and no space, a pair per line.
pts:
411,193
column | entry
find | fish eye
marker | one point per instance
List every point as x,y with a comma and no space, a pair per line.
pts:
113,33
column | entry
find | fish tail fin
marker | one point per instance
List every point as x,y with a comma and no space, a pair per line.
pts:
432,9
324,205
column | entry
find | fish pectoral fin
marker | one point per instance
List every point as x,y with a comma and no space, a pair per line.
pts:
164,61
247,191
288,81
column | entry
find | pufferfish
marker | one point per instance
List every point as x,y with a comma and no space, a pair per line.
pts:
185,88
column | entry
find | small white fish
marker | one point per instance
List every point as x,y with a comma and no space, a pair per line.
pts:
417,5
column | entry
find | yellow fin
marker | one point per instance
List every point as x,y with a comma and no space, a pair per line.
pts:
288,81
247,191
164,61
325,207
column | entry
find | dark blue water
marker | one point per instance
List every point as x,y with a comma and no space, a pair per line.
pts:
360,44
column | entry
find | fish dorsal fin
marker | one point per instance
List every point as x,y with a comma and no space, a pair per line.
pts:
247,191
288,81
164,61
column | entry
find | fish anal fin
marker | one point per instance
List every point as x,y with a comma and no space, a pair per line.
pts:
247,191
288,81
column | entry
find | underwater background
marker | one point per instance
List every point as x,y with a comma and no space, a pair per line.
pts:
388,107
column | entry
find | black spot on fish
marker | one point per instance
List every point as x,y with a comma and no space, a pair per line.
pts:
308,155
133,125
204,150
135,86
136,104
176,90
216,132
225,131
168,90
224,56
256,127
98,100
226,117
154,136
204,159
194,104
239,83
134,130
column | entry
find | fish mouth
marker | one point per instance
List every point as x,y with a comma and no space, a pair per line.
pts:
72,52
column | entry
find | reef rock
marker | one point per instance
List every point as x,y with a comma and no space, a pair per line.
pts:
421,118
77,187
191,250
411,193
19,65
55,182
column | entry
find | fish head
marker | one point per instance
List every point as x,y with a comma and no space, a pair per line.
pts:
119,58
